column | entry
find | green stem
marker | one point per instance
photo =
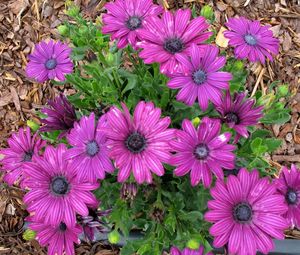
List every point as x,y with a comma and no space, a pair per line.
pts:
119,85
136,67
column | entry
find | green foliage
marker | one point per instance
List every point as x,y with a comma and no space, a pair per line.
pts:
167,214
253,151
170,211
275,110
208,13
239,73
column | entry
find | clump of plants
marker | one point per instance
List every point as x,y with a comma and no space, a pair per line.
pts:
160,138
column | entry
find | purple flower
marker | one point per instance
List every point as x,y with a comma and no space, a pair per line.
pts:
166,40
125,18
49,61
239,113
89,153
128,191
201,79
288,185
175,251
55,191
59,238
22,147
202,151
141,143
61,115
247,214
251,40
93,223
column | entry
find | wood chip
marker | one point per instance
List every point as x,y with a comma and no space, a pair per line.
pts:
286,158
15,98
220,39
287,42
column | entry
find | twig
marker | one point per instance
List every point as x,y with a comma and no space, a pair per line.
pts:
37,10
288,158
258,81
247,2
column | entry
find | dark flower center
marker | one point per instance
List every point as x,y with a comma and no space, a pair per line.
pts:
92,148
51,63
134,23
27,156
232,117
173,45
135,142
199,77
250,40
60,185
62,227
291,197
242,212
201,151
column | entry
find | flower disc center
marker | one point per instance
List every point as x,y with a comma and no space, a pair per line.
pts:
199,77
62,227
51,63
201,151
60,185
242,212
291,197
92,148
173,45
135,142
232,118
250,40
27,156
134,23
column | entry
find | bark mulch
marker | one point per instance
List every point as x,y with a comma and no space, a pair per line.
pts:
25,22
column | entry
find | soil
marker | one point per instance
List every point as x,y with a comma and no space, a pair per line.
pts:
26,22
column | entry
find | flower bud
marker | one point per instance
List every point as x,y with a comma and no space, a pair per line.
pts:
283,90
63,29
114,237
29,235
33,125
73,11
207,12
193,244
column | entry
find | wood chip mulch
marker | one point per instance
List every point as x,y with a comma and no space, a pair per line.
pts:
25,22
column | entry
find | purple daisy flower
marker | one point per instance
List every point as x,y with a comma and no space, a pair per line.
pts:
49,61
53,183
239,113
59,238
61,115
140,144
202,151
93,224
166,40
175,251
288,185
89,153
22,147
202,78
251,40
247,214
126,17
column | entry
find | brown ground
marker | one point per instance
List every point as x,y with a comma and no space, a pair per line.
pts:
25,22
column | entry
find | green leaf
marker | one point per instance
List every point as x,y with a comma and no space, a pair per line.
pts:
275,117
257,146
78,53
132,81
272,144
145,248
